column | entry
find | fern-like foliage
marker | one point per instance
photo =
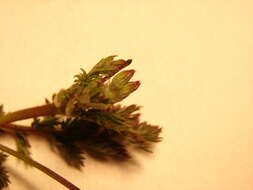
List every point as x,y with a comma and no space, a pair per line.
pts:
69,151
90,119
94,91
4,178
22,143
85,118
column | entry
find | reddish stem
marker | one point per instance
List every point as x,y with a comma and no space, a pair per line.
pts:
44,110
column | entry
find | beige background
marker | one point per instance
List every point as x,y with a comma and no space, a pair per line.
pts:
195,62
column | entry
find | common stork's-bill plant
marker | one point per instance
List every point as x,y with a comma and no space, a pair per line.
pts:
85,118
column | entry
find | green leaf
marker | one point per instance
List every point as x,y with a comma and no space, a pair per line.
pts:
4,178
127,110
46,123
107,147
125,122
60,99
80,77
70,152
22,143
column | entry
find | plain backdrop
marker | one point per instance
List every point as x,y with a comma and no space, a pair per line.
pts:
193,58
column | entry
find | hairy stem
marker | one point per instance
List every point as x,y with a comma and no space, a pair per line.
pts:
39,166
10,128
44,110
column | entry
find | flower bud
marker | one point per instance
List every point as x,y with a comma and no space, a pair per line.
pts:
130,87
125,91
60,99
107,67
121,79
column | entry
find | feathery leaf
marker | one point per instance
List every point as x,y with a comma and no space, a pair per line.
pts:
4,178
22,143
70,152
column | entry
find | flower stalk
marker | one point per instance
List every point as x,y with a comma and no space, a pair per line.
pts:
33,112
40,167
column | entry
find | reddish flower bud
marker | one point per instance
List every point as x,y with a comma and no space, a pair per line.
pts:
121,79
121,93
119,64
134,85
